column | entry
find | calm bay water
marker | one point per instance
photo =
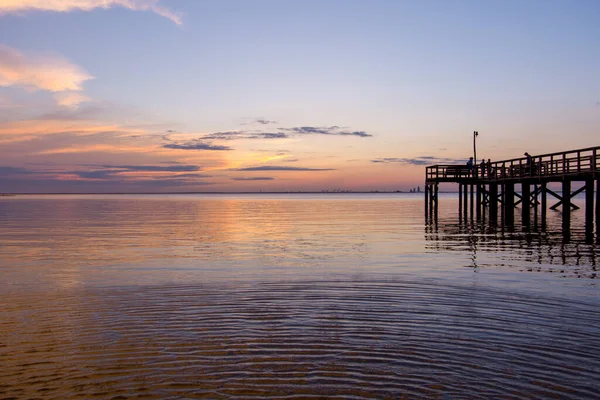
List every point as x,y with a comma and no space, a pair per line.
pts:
290,296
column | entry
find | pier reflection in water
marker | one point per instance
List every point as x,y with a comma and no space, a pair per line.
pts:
543,244
224,297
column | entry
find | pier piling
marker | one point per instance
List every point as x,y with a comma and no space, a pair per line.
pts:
508,203
465,200
478,198
589,206
566,205
525,201
493,203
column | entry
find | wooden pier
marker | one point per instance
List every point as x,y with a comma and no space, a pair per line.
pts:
490,188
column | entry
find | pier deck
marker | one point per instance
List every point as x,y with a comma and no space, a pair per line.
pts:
576,165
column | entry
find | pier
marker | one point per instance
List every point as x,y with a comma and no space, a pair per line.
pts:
490,190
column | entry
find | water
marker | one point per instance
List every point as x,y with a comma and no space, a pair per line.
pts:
290,296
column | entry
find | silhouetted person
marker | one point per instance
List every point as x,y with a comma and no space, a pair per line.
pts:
470,166
529,163
482,167
489,168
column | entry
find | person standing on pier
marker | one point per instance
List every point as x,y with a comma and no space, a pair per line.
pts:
529,169
470,166
482,167
489,168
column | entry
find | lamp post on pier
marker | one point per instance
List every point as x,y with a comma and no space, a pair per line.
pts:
475,134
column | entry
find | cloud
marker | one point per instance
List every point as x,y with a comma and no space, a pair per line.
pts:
261,121
22,6
35,72
422,160
120,172
257,178
327,130
284,133
102,174
9,171
236,135
70,99
202,176
282,168
196,145
155,168
53,180
265,121
267,135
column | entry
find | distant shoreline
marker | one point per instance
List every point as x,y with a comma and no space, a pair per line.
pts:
191,193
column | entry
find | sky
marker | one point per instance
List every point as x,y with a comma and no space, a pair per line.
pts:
100,96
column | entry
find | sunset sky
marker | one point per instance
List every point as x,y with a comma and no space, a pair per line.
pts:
286,95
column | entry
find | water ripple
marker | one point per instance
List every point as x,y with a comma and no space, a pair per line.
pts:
343,339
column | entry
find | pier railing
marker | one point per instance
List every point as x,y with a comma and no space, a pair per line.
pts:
574,162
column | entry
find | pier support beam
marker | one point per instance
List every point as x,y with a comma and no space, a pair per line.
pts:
479,190
465,200
471,195
589,210
460,201
508,203
589,207
598,211
566,205
544,205
535,203
435,203
426,202
525,210
493,203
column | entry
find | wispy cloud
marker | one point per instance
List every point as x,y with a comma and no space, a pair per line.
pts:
325,130
50,178
254,121
281,168
256,178
35,72
263,121
155,168
9,171
27,128
282,133
196,145
23,6
108,171
422,160
70,99
236,135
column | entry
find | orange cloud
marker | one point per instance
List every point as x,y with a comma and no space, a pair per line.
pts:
47,127
52,73
96,148
71,99
20,6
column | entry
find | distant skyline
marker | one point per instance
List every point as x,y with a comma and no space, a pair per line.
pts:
236,96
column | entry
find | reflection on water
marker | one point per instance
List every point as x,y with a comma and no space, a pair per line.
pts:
541,246
111,240
347,296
